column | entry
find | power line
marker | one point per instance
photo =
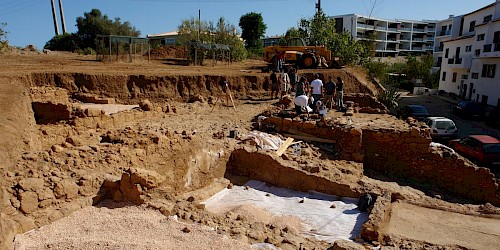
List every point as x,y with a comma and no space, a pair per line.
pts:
13,9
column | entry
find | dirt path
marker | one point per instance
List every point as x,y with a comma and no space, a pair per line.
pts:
444,228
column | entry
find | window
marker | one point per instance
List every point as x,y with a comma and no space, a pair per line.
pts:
454,79
475,75
468,48
480,37
496,41
489,70
487,48
477,52
487,18
472,26
444,76
447,51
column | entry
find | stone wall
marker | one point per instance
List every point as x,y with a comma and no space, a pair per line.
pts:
266,168
403,153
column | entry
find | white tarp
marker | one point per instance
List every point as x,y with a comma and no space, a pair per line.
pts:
264,140
328,224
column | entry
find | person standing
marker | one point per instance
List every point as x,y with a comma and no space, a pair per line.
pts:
285,82
274,84
300,90
317,90
293,78
340,94
329,92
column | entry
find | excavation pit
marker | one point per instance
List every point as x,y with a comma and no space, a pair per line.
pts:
323,216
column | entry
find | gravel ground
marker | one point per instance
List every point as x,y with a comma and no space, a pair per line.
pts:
125,227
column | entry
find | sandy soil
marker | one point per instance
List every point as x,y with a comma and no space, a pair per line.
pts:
444,228
120,226
190,128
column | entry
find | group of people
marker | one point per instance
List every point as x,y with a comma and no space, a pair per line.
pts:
309,97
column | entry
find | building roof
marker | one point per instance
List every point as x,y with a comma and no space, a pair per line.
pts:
171,33
485,139
485,7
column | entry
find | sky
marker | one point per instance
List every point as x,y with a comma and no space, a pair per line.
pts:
30,21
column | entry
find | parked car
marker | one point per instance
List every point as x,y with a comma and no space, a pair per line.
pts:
493,119
483,149
469,109
442,128
417,111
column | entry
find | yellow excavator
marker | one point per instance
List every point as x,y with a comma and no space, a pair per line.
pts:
302,56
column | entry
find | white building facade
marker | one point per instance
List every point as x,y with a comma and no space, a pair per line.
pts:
392,37
470,56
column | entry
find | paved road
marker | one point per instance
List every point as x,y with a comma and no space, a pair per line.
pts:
440,107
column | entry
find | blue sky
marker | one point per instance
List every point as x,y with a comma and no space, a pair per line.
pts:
30,21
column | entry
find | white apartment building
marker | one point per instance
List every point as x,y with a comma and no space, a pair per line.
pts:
392,37
471,54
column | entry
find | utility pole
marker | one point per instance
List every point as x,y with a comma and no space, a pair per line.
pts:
318,5
54,15
63,23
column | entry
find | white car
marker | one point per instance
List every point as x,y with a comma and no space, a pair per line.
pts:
442,128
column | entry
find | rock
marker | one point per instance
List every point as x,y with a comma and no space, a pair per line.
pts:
8,231
146,178
186,230
45,194
29,202
57,148
230,186
31,184
333,206
146,105
196,98
92,112
190,199
346,245
74,141
66,189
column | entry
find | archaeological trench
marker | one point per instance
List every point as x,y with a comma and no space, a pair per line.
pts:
57,157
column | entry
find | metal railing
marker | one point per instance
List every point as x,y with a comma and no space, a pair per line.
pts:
418,30
417,39
392,29
445,33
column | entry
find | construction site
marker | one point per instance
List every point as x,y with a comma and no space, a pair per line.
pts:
148,155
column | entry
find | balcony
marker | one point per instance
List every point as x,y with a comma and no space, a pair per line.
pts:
418,39
487,48
391,39
431,30
417,48
364,26
380,28
393,29
418,30
405,29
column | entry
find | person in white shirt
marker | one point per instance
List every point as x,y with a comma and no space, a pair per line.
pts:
317,90
302,104
285,82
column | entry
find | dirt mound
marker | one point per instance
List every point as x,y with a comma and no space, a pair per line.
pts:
169,51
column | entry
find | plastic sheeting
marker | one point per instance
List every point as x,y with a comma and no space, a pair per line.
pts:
321,221
264,140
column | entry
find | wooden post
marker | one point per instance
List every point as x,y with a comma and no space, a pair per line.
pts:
117,50
149,51
109,38
130,51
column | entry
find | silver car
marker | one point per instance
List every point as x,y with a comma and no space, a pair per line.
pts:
442,128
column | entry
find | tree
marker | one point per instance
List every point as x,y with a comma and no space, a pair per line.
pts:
3,36
64,42
93,23
318,30
223,32
252,30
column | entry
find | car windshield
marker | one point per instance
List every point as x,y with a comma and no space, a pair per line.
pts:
492,148
418,109
445,125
